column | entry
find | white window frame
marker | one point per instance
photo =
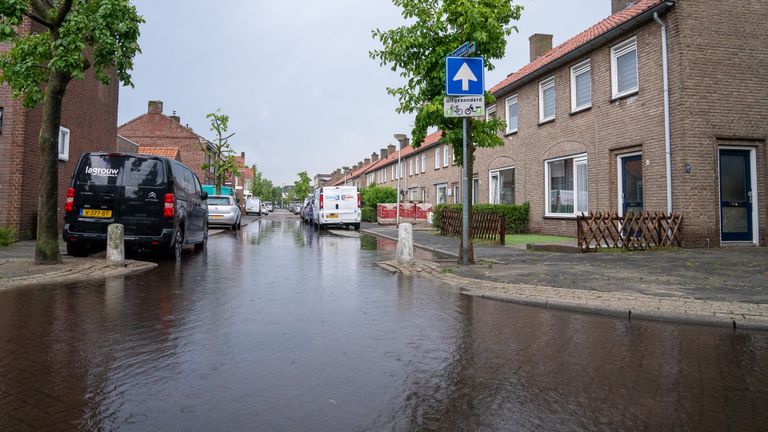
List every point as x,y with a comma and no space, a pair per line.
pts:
410,166
616,52
446,153
492,199
577,159
490,112
437,158
63,153
511,100
546,85
437,193
423,163
577,70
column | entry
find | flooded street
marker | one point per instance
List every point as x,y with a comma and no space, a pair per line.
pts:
279,328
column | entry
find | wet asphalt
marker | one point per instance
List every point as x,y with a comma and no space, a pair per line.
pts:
281,328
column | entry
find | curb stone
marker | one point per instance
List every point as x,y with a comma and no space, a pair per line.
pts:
90,270
631,306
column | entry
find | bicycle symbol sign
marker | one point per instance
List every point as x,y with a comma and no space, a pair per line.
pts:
465,106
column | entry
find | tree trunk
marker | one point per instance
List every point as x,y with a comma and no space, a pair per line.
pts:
47,245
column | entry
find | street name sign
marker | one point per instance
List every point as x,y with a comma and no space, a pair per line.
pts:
464,50
464,76
464,106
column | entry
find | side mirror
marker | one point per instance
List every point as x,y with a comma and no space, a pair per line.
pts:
204,195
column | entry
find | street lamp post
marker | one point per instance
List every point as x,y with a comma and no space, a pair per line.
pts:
402,140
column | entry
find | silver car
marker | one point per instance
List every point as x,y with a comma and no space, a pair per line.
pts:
223,210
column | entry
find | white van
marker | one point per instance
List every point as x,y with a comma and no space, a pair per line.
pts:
336,205
253,206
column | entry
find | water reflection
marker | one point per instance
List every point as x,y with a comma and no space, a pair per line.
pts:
284,328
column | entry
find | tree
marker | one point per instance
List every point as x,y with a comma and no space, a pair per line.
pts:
277,194
302,187
418,50
74,36
220,156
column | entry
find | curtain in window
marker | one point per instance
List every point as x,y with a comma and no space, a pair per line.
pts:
561,186
494,188
507,183
584,89
583,186
627,71
512,115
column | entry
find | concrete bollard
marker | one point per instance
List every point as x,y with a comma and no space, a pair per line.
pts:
115,244
405,243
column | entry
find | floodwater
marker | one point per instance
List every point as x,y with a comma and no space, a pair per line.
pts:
278,328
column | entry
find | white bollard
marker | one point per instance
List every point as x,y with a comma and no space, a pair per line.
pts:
115,244
405,243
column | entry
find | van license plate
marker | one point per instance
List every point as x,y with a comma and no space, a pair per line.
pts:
333,216
217,217
93,213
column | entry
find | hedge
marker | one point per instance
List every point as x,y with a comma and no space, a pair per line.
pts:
6,236
368,214
374,195
516,216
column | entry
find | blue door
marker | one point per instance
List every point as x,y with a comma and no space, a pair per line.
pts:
632,184
735,195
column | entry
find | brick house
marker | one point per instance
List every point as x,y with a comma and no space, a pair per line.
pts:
155,129
587,128
590,126
88,123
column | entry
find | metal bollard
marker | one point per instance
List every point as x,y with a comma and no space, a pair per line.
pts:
405,243
115,244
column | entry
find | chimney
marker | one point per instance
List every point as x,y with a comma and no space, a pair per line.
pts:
242,155
173,117
367,161
619,5
391,148
384,152
374,157
540,44
155,107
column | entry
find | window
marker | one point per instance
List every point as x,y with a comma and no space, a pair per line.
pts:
490,112
475,190
410,166
414,193
423,163
445,156
63,144
566,186
1,119
581,86
456,199
624,78
547,100
394,172
437,158
501,189
418,164
512,114
442,194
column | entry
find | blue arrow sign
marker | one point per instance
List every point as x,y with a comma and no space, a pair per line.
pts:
464,76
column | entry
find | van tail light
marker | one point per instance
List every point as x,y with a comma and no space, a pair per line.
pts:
69,207
322,201
170,204
359,204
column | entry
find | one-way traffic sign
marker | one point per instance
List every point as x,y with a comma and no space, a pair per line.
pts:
464,76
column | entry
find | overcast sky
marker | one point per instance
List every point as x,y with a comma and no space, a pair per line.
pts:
295,77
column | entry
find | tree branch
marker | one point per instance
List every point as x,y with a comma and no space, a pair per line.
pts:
63,12
38,20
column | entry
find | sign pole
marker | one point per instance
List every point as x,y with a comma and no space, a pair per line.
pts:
465,199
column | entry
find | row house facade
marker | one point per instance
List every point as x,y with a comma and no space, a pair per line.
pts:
88,124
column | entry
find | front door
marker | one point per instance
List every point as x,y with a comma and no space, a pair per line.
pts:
735,195
632,184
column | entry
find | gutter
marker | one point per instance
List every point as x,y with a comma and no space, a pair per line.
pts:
667,133
648,15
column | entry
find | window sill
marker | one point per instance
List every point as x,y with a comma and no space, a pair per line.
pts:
581,110
510,133
547,121
560,216
624,95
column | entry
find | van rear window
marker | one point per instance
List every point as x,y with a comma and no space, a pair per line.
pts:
121,171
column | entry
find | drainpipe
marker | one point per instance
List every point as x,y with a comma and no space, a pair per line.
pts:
667,139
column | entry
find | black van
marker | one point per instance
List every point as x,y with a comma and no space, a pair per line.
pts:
159,202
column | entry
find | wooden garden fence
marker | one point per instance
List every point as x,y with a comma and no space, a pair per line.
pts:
636,231
485,226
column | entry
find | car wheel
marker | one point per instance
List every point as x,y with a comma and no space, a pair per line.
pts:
76,250
204,243
174,252
356,226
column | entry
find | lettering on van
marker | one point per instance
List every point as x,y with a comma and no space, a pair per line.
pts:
105,172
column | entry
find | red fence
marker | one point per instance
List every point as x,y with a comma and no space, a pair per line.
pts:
412,213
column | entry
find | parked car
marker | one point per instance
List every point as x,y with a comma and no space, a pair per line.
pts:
159,202
223,210
270,207
336,206
253,206
306,211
